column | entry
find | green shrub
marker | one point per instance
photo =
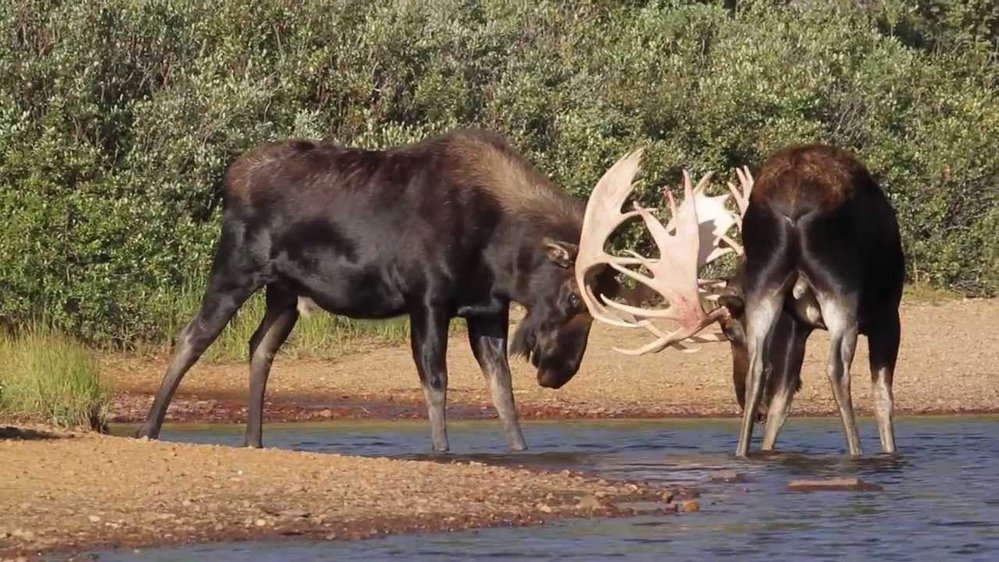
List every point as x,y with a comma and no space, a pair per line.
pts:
117,118
50,378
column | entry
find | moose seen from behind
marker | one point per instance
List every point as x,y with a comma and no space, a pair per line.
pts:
459,225
822,250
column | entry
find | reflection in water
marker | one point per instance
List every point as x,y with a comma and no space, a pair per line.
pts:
940,498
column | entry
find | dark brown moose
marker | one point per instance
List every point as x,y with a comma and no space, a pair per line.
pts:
459,225
822,251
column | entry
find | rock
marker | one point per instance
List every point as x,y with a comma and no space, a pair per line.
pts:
94,519
832,484
589,502
688,506
641,507
326,414
667,497
544,508
295,514
260,523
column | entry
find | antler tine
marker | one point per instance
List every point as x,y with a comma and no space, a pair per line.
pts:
602,217
741,197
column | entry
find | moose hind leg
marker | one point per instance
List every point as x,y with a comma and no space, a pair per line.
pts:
839,314
429,342
488,338
883,343
219,304
761,313
787,353
277,324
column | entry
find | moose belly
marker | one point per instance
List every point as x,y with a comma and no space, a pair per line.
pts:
355,295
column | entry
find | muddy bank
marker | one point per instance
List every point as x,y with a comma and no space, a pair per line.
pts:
65,491
947,365
220,408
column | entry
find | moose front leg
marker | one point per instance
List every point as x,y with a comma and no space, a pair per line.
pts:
488,338
428,330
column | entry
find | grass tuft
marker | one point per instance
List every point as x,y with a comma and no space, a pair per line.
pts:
50,378
923,293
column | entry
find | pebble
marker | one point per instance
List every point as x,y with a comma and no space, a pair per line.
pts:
688,506
94,518
544,508
260,523
295,514
588,502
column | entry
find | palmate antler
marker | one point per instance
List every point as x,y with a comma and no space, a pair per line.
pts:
689,241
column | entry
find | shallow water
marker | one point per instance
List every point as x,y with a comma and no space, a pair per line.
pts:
940,499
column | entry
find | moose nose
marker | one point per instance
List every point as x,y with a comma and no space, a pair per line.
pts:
551,379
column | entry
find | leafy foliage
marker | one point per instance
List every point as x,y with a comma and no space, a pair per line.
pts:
117,118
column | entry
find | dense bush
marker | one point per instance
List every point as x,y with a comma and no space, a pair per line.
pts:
117,118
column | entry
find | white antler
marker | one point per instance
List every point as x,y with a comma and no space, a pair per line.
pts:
741,198
603,216
690,240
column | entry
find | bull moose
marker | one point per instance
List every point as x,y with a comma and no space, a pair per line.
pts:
458,225
820,250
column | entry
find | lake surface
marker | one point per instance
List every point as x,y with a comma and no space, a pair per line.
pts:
940,499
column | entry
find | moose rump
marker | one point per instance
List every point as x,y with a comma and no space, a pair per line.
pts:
458,225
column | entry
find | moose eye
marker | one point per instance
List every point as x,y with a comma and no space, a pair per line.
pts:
573,300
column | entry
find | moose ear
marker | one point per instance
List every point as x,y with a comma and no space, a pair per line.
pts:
561,252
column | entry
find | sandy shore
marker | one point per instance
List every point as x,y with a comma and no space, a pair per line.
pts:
948,363
65,492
